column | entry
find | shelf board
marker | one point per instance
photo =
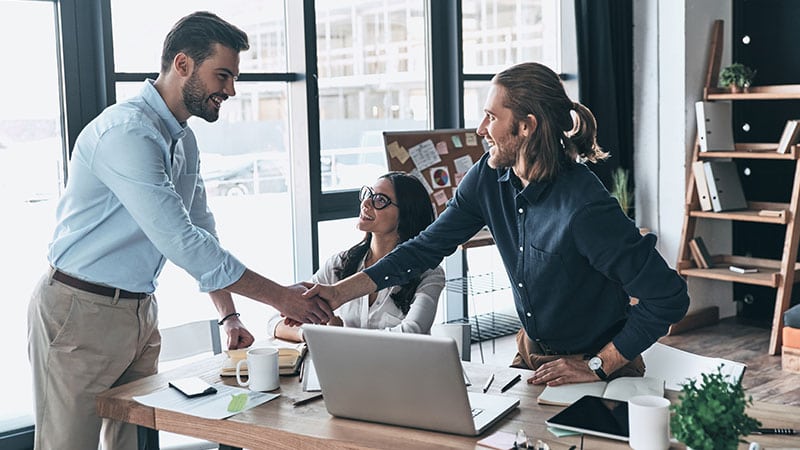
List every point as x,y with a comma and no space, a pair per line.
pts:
769,273
749,215
753,150
771,92
764,277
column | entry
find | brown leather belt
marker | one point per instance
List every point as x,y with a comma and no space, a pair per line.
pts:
96,288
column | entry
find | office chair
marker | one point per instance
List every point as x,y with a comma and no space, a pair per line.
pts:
179,343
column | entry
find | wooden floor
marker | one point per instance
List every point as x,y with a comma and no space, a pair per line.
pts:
729,339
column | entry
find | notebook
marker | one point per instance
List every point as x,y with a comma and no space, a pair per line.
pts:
618,389
401,379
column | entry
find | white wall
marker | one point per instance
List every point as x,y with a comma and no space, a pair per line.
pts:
671,39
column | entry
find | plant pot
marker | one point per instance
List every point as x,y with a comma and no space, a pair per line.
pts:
734,88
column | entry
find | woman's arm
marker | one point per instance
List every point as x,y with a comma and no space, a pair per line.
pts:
422,312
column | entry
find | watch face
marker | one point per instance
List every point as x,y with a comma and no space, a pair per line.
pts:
595,363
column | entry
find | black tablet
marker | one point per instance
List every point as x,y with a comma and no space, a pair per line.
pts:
596,416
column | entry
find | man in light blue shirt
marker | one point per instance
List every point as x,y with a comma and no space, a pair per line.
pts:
134,199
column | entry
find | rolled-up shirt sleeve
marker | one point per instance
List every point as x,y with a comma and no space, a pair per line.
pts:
422,312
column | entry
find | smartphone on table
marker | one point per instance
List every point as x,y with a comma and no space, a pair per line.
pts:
193,387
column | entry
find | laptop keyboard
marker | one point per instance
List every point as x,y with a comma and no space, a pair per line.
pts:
476,411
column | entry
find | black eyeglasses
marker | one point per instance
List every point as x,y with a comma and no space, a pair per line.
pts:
379,201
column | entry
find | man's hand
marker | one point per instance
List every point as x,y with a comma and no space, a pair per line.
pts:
303,308
336,322
566,370
238,336
324,291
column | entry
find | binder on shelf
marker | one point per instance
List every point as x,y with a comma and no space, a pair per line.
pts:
702,186
714,129
789,136
700,253
724,186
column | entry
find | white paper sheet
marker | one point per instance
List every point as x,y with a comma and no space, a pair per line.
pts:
213,406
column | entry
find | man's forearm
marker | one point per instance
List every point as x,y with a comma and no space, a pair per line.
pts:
223,302
254,286
354,286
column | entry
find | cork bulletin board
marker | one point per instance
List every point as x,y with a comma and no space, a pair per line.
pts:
438,158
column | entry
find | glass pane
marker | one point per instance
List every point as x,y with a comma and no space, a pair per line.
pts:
372,77
245,165
135,51
500,33
337,235
31,148
475,94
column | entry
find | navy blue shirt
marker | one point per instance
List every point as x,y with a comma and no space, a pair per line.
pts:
573,258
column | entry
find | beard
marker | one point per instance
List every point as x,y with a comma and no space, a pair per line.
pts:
197,101
505,151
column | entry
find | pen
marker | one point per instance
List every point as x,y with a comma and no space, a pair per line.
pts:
303,401
488,383
511,383
788,431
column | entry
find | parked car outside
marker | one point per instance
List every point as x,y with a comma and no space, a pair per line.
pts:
257,173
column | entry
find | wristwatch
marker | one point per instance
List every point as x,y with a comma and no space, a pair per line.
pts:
596,365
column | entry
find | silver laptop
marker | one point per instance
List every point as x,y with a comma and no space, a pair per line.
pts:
403,379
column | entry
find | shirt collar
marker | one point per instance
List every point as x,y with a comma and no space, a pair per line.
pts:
154,100
532,192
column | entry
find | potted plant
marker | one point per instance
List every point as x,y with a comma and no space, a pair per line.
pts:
736,76
711,415
620,189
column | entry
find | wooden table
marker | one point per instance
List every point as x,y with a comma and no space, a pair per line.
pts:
279,425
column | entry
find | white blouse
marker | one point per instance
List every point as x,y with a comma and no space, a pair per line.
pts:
383,314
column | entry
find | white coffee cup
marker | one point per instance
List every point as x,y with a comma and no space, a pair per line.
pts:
262,369
648,422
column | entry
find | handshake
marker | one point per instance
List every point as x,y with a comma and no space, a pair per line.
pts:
308,303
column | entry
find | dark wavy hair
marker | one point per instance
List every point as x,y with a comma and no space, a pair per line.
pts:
416,213
559,140
196,34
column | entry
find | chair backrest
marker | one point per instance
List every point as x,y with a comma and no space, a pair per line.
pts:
190,339
675,366
460,332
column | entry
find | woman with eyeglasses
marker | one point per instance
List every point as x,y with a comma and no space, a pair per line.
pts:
394,210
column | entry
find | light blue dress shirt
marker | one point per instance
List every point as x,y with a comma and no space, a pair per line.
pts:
130,205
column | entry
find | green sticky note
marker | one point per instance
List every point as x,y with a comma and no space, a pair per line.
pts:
237,402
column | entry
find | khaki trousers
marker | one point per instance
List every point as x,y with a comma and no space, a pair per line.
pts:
79,345
530,356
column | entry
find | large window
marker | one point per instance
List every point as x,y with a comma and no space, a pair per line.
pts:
31,168
371,58
245,155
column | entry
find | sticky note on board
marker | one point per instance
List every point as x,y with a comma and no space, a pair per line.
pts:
456,140
392,148
402,154
472,139
458,177
441,147
440,197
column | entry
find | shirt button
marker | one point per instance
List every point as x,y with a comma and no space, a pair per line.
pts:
520,210
519,284
529,314
386,277
408,270
521,249
538,340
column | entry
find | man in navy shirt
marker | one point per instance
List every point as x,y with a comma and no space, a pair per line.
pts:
573,258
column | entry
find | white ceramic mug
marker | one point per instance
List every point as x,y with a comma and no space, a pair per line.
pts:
648,422
262,369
